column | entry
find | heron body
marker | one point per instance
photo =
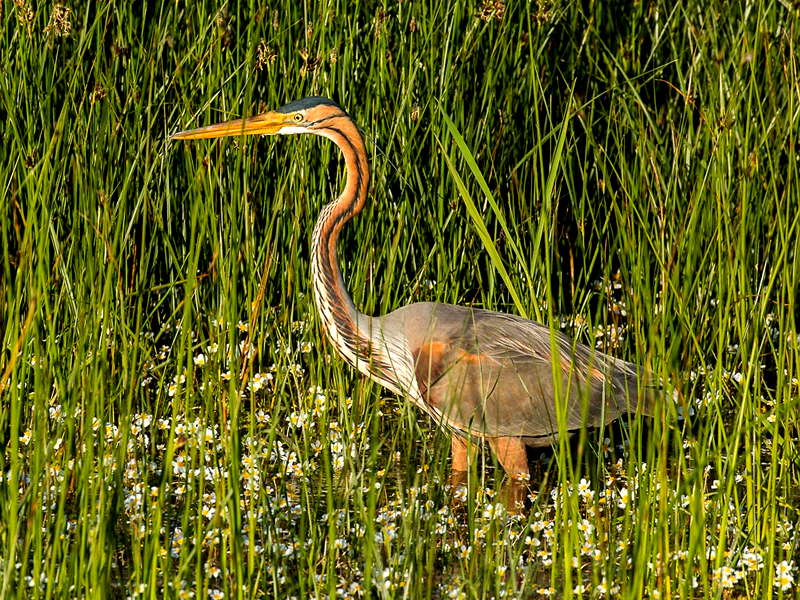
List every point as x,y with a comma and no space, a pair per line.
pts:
481,374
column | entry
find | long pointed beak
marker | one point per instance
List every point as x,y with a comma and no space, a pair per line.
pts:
268,123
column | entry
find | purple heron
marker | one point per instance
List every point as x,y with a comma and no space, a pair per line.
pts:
482,375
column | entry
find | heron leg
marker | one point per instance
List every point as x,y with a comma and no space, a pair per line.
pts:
462,452
511,454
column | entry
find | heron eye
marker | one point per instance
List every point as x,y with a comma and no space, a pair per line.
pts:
298,118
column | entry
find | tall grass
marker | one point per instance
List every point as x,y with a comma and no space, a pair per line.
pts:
173,422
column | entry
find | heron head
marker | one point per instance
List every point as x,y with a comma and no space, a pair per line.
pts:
300,116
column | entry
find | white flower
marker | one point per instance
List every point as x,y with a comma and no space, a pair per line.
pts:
784,578
726,577
26,437
584,489
585,527
298,419
752,561
259,381
623,498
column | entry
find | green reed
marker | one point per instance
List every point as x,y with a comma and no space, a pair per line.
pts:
173,422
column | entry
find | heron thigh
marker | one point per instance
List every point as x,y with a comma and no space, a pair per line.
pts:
511,454
462,451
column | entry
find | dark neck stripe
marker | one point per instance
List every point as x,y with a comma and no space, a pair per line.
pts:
328,118
329,285
359,172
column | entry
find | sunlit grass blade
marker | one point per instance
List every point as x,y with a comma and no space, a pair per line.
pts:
486,238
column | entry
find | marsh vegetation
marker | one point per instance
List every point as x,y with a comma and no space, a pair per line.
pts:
174,425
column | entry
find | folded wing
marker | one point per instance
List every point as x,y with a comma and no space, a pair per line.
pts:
498,375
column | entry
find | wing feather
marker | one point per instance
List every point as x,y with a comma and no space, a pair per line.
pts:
498,375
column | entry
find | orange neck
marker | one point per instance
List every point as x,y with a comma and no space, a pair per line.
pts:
343,323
